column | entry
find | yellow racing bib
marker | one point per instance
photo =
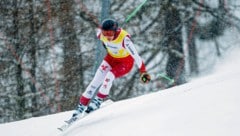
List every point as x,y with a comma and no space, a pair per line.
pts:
115,48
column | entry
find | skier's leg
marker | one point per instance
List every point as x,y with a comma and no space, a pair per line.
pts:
118,70
95,83
103,92
92,87
106,86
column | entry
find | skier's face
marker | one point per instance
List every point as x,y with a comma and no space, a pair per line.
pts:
109,34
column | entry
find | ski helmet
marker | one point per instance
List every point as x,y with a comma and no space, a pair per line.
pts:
109,24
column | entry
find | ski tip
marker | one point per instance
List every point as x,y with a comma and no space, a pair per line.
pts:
63,127
60,129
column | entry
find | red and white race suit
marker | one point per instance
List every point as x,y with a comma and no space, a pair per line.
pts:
121,55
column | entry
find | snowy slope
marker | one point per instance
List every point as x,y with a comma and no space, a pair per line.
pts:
207,106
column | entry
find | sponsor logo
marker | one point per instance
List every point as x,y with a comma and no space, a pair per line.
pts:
130,49
90,92
93,87
113,47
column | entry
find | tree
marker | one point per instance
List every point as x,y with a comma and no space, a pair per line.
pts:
18,49
72,70
100,51
174,43
33,59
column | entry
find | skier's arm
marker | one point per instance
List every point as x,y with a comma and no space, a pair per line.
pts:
128,44
145,77
98,33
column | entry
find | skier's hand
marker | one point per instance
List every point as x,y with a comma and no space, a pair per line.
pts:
145,77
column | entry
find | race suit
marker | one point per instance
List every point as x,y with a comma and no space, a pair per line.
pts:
120,58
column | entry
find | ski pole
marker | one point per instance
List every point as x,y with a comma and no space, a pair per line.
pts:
165,77
134,12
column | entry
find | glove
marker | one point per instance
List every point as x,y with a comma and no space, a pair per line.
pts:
145,77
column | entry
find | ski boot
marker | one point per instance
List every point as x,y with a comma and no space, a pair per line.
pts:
77,114
94,104
79,111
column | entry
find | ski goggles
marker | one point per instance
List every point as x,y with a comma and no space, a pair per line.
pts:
108,33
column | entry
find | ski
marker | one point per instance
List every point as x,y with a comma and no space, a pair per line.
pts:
73,120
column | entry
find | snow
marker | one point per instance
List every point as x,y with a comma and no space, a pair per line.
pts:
206,106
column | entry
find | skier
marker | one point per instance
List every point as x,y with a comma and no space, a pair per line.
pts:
119,60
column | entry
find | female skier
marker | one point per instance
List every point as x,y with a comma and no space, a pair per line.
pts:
121,55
